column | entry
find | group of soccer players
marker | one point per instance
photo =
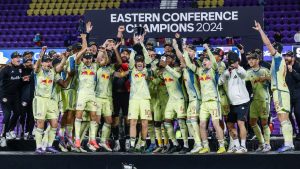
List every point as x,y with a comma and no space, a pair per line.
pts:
77,87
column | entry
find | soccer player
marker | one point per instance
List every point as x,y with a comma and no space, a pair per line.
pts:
192,87
45,105
260,106
139,102
210,105
281,94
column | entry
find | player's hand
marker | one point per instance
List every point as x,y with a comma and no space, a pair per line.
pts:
136,40
116,46
177,35
290,68
182,65
121,28
205,45
89,27
174,44
257,26
83,35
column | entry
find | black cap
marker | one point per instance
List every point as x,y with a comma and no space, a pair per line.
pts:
27,53
289,53
69,49
258,51
15,54
277,46
167,44
27,60
56,61
139,58
51,53
88,56
92,43
192,47
125,50
218,51
232,57
77,46
251,55
46,58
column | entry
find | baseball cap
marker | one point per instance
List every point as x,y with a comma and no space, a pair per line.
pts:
51,53
77,46
232,57
139,58
27,60
92,43
88,56
15,54
277,46
56,61
218,51
192,47
252,55
125,50
27,53
289,53
69,49
46,58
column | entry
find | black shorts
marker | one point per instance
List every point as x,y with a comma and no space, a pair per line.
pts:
238,112
120,102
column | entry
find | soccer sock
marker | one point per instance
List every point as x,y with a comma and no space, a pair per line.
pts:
158,136
171,134
151,132
85,126
196,131
236,142
205,143
267,133
69,130
115,132
221,143
184,132
77,128
46,137
287,131
61,132
243,143
143,143
258,134
93,131
132,141
190,128
139,140
38,137
51,136
105,132
165,135
127,128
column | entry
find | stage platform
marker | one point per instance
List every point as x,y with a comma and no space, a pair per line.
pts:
28,160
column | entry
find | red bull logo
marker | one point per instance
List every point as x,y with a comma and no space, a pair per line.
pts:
105,76
140,75
46,81
168,79
88,72
204,78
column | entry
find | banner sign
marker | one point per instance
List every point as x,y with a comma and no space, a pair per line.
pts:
213,22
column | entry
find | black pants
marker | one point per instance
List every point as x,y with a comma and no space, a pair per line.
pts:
11,104
120,101
295,107
27,119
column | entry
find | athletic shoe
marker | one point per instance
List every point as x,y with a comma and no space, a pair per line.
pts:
166,148
184,150
19,136
40,151
174,149
285,149
232,149
131,150
70,141
62,145
221,150
142,149
82,150
51,150
204,150
11,135
241,150
151,148
3,142
76,150
267,148
94,144
26,135
260,148
90,147
77,143
158,150
196,149
117,146
127,144
106,146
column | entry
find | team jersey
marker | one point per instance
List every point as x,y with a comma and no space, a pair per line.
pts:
87,78
139,88
104,81
260,89
45,84
208,79
224,88
278,73
70,66
171,77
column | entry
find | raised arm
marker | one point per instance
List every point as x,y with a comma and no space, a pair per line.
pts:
264,38
188,62
118,56
173,72
37,65
211,57
131,60
79,55
60,66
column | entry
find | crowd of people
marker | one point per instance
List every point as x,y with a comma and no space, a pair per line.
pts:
83,91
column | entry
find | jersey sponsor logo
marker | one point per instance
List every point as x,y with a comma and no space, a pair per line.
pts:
46,81
204,77
15,78
88,72
168,79
105,76
139,75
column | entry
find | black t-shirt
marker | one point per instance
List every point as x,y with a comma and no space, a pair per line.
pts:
293,81
119,84
27,92
11,81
